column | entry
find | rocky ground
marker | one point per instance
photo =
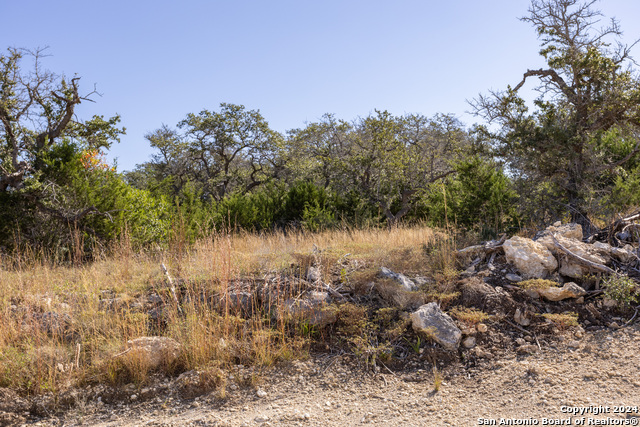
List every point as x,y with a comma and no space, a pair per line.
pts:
575,370
546,352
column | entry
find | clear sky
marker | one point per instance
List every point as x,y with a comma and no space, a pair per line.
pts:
156,61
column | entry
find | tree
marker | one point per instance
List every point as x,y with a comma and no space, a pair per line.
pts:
37,111
585,127
385,159
41,144
233,150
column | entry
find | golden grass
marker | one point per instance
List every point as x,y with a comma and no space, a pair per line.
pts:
96,302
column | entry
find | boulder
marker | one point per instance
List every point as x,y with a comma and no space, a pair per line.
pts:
154,351
569,231
403,280
312,308
531,259
625,254
569,290
568,266
437,325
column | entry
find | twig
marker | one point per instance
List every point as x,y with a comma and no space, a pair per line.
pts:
173,287
595,266
633,317
517,327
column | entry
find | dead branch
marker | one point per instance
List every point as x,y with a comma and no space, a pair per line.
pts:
580,260
173,287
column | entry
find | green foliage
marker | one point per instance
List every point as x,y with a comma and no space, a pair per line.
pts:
621,289
480,195
301,204
581,136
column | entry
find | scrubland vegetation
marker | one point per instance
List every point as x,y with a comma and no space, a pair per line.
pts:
65,325
227,203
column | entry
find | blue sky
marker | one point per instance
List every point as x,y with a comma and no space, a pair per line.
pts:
156,61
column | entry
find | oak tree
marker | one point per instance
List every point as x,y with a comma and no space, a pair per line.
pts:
584,128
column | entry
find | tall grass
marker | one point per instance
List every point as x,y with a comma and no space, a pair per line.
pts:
94,308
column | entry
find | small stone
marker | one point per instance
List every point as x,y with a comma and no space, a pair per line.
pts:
578,334
520,341
521,318
482,328
527,349
614,325
261,419
513,277
134,397
469,342
261,393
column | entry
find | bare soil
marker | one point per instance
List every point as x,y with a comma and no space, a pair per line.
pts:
593,370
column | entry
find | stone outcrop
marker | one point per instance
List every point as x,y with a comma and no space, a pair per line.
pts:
403,280
437,325
532,259
568,266
313,308
154,351
568,231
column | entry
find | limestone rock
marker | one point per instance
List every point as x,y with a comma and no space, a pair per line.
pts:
621,254
314,274
430,320
532,259
569,290
312,308
521,318
569,231
513,277
406,283
155,351
568,267
469,342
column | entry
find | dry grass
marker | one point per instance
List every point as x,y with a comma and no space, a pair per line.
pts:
562,320
468,315
61,324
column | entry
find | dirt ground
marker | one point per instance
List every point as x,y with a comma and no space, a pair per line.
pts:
594,373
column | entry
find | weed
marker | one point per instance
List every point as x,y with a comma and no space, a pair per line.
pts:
415,346
437,379
562,320
622,289
468,316
538,284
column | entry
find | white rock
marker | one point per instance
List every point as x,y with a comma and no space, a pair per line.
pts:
568,267
521,318
569,231
261,393
569,290
406,283
532,259
430,320
156,351
469,342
